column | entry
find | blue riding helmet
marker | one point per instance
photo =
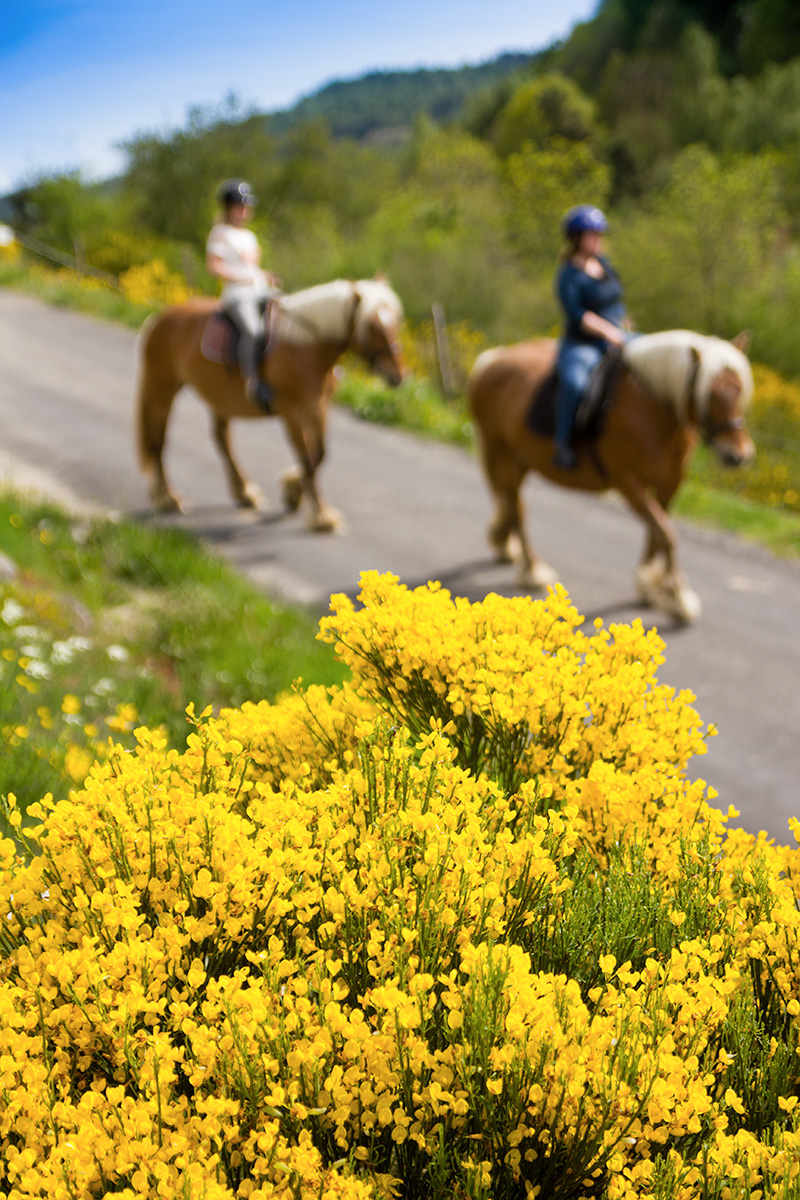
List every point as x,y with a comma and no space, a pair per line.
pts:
236,191
584,218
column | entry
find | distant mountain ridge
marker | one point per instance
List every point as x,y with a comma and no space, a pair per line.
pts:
390,100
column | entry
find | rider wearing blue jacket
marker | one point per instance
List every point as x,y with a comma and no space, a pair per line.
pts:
590,294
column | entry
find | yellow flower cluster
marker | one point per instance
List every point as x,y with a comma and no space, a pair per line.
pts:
464,344
459,928
773,391
153,283
10,252
774,476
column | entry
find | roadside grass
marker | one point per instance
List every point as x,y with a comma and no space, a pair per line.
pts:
64,289
770,526
106,625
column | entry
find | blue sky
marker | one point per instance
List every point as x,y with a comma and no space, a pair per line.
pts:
76,76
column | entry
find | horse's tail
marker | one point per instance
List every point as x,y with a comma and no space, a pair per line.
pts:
157,385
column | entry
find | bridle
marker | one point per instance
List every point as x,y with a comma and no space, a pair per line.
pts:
370,356
710,431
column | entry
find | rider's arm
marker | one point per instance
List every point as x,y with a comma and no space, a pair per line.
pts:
598,326
229,272
233,256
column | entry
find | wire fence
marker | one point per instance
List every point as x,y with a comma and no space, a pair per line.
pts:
73,262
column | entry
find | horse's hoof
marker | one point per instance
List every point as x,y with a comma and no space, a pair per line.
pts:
250,497
292,490
327,520
687,606
668,594
539,576
502,554
168,504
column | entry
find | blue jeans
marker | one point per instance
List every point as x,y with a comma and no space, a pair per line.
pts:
576,361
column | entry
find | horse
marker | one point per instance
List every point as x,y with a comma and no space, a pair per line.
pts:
669,389
310,331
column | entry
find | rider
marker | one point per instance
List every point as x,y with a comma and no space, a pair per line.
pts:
590,294
233,255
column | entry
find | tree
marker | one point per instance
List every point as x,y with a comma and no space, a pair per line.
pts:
550,106
172,179
772,33
707,242
542,184
70,211
440,235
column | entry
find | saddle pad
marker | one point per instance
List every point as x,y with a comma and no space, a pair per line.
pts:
541,418
220,337
594,407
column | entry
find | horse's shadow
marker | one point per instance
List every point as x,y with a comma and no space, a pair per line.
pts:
217,524
473,581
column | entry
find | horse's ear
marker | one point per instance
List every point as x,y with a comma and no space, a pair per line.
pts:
742,341
380,277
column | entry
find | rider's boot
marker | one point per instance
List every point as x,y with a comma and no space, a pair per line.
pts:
259,393
565,457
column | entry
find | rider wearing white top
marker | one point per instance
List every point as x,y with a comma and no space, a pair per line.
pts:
234,256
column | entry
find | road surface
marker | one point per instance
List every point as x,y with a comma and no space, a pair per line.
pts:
419,510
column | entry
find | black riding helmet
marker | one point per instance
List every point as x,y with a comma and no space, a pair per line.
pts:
236,191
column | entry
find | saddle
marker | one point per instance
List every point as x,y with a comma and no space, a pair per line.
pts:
594,407
220,340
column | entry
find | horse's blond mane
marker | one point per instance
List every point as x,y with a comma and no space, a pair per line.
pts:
324,312
677,363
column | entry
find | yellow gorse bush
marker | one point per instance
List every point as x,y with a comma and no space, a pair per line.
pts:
153,283
774,476
459,928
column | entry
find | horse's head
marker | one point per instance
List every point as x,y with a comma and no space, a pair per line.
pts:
721,394
705,380
376,331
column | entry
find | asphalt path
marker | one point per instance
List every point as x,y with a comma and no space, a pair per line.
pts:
419,510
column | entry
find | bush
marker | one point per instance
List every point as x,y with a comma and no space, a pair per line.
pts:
460,927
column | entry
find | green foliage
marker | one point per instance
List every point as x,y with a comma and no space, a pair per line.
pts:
71,212
709,239
171,182
441,235
114,614
539,110
543,183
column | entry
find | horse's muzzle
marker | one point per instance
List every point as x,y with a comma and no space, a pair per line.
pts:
734,453
392,372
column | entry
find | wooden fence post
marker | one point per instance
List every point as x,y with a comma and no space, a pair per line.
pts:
443,351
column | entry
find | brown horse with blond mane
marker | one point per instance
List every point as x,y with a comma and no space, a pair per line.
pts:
310,331
671,388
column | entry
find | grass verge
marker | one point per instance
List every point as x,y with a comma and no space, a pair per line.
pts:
773,528
107,625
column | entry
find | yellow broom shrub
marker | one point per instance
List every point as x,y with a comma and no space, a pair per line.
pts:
459,928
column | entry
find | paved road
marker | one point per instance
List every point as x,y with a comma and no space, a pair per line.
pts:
419,510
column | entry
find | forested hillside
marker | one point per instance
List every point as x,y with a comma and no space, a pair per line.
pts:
382,105
681,118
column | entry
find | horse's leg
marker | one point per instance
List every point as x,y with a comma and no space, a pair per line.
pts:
155,399
245,493
658,579
306,429
505,475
